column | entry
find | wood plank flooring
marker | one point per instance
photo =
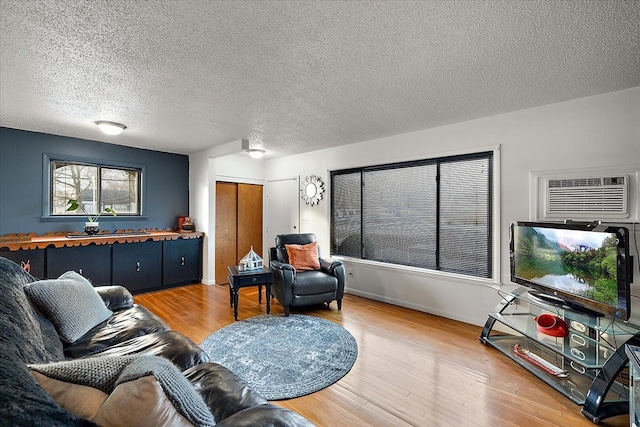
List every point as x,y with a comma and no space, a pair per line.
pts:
413,369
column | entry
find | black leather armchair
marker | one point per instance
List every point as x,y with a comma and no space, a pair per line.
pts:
296,288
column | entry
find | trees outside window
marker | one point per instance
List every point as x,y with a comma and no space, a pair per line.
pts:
95,187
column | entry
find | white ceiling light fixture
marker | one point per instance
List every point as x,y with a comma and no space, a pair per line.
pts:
111,128
256,153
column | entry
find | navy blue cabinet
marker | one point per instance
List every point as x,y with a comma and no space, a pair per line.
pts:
137,266
91,261
31,260
140,262
181,261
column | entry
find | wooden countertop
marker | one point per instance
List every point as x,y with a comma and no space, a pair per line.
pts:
14,242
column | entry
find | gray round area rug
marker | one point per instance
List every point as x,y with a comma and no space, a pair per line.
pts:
284,357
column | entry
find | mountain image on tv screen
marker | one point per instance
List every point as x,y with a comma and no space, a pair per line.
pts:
579,262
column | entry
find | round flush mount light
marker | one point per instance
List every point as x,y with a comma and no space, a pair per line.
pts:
256,153
110,128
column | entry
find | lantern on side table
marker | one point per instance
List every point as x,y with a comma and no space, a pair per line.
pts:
250,261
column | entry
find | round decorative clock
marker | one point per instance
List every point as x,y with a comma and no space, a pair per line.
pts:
312,190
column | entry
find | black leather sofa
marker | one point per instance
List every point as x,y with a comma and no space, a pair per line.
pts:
31,347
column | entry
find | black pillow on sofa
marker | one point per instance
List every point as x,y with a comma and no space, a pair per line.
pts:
22,401
70,303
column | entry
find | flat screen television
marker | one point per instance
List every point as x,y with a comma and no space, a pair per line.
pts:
586,267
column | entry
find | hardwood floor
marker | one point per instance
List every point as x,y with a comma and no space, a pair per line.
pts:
413,369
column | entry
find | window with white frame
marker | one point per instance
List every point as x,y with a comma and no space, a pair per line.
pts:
95,187
434,214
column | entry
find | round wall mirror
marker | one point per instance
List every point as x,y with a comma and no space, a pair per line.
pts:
312,189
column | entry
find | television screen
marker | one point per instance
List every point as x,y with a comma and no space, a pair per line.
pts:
579,266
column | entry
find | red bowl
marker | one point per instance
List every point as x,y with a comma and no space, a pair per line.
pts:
552,325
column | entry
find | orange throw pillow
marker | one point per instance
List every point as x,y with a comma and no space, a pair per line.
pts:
304,257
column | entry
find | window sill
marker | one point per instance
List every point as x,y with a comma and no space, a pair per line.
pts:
84,219
480,281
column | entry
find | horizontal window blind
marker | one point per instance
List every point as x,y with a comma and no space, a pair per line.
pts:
346,215
399,215
465,217
433,214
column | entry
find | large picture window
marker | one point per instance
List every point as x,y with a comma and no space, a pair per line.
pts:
433,214
95,187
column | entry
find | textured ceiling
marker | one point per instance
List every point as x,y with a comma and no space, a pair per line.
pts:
297,76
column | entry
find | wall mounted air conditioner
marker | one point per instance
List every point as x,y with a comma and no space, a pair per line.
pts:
585,194
588,198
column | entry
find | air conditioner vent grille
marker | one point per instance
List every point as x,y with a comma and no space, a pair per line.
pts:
595,197
587,182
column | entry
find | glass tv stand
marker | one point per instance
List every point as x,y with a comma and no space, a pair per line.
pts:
585,366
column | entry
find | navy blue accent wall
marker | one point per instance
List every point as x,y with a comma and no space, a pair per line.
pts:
166,182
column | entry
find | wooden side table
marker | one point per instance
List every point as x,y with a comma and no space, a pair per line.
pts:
243,279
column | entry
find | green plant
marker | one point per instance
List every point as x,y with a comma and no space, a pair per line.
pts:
73,204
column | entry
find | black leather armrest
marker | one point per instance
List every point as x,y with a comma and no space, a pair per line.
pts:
233,403
266,415
282,266
223,391
115,297
330,264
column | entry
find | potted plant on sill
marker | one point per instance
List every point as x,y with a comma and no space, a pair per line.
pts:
92,226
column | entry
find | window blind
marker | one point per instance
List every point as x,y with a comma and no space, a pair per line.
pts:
433,214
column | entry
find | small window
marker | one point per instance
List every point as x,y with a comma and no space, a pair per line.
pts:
95,187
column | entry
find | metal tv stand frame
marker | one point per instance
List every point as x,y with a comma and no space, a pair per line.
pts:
593,353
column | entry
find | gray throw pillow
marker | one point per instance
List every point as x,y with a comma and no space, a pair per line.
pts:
70,303
108,374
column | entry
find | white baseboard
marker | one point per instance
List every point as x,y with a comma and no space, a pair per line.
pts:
418,307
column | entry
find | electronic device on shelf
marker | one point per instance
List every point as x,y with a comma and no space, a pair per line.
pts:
582,266
540,362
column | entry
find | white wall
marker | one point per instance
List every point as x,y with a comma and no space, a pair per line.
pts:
597,131
205,168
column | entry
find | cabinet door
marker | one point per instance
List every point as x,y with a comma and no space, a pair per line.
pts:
137,266
238,224
181,261
93,262
226,229
249,220
31,260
